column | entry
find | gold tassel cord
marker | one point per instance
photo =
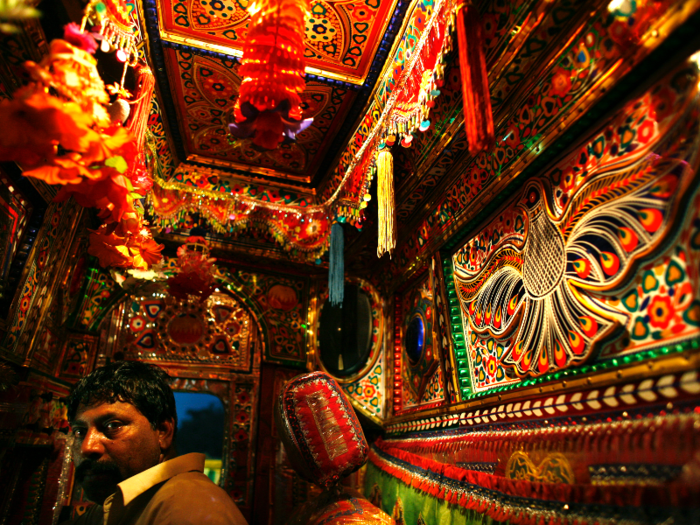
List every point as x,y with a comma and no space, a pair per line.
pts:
385,200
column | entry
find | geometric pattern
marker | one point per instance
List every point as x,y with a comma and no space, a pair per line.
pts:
671,387
205,89
218,331
418,381
341,36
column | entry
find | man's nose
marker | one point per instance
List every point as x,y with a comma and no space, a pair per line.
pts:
92,446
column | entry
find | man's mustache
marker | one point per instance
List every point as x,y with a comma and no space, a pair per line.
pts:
95,467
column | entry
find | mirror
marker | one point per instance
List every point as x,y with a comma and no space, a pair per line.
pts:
345,334
415,339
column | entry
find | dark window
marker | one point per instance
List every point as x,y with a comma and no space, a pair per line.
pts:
200,428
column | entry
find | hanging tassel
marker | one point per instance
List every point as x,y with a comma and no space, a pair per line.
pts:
142,105
137,126
478,116
336,266
385,202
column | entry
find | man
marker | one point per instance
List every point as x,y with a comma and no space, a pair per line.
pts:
123,420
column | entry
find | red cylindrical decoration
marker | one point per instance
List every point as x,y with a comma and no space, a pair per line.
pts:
478,116
268,109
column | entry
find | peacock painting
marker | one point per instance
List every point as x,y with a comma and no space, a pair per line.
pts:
531,278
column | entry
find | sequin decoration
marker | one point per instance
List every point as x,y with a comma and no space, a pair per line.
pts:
219,331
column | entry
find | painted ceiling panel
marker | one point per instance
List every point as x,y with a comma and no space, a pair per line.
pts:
341,36
204,90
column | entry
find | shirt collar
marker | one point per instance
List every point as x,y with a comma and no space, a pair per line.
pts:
140,483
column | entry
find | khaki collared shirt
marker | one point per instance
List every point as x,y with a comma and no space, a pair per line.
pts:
174,492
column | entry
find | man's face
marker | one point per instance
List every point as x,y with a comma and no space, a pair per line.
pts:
113,441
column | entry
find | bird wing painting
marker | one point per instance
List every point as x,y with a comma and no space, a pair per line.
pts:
530,279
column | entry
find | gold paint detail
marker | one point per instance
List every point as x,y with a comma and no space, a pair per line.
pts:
554,468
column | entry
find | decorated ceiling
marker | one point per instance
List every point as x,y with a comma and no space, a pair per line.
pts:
200,44
386,96
410,103
372,70
205,89
341,36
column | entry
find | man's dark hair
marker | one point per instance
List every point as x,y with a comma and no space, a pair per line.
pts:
140,384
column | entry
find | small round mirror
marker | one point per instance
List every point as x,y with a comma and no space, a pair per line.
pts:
415,339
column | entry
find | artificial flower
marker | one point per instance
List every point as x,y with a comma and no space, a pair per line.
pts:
112,147
111,195
135,249
72,72
188,283
151,251
110,250
130,224
80,39
195,271
34,124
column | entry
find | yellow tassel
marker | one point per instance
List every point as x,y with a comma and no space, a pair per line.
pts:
385,201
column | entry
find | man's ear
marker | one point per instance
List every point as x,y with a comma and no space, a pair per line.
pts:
166,431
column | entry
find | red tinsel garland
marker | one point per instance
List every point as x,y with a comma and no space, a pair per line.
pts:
478,116
620,495
268,108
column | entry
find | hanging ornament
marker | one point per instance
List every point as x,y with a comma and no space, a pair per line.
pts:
385,203
478,116
142,104
119,111
268,109
336,266
195,271
112,20
138,123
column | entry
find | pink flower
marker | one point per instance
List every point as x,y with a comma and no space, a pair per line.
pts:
84,41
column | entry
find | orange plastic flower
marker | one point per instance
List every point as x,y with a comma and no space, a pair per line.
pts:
151,251
34,124
136,249
72,72
112,142
110,250
111,195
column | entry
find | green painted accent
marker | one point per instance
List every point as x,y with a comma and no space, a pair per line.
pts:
457,333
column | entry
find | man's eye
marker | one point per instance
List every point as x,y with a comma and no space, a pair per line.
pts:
79,433
113,426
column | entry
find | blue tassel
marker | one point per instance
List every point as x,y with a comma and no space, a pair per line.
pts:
336,266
